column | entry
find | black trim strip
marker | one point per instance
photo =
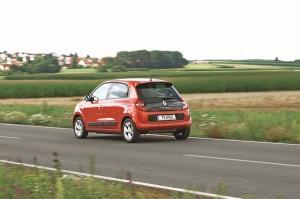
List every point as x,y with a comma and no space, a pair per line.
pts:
108,123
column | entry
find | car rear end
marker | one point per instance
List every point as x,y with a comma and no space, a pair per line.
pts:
160,108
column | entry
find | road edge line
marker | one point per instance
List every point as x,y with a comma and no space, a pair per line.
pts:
144,184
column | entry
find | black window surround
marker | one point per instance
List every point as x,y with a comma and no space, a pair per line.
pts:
109,89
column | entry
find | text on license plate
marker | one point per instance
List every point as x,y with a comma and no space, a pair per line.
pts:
166,117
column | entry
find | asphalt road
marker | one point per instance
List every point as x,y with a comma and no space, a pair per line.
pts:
246,168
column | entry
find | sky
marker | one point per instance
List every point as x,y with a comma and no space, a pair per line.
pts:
200,29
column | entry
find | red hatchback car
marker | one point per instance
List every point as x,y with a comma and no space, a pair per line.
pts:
132,107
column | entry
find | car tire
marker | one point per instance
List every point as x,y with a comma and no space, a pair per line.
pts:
79,128
182,134
129,131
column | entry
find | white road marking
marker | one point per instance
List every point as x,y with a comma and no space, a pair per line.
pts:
196,138
247,141
8,137
33,126
144,184
242,160
228,140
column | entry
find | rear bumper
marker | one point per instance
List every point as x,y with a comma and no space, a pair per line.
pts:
159,126
144,124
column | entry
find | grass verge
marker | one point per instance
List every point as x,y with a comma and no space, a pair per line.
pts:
203,82
23,182
259,125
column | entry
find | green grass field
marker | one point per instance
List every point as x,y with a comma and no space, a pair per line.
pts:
188,70
236,66
271,125
185,82
23,182
259,62
79,70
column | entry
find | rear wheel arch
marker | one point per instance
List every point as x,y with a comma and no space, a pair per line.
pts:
129,131
123,120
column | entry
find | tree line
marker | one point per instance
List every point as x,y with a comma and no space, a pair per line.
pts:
42,64
146,59
125,59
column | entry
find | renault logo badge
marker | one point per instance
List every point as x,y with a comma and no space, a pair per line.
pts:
164,103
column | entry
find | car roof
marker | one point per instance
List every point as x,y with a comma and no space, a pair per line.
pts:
136,81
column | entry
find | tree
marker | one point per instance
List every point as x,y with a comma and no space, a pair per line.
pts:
124,58
119,69
141,58
42,64
108,61
150,59
74,61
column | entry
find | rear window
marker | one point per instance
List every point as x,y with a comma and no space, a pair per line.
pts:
155,91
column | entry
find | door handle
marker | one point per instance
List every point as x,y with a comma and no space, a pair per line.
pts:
100,106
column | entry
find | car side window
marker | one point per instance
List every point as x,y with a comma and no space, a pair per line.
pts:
118,91
101,91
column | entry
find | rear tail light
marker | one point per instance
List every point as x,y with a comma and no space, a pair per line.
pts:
140,105
184,105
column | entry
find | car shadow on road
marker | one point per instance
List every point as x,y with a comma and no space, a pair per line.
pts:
143,139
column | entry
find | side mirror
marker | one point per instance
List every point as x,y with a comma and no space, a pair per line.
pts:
94,98
89,98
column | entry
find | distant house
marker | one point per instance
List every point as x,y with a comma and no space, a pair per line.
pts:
61,60
87,62
99,62
13,61
199,62
7,60
3,56
68,60
31,57
4,67
82,62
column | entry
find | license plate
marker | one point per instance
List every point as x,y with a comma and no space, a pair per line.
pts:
166,117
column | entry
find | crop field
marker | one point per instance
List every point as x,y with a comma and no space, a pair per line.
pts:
27,88
81,70
86,74
185,82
